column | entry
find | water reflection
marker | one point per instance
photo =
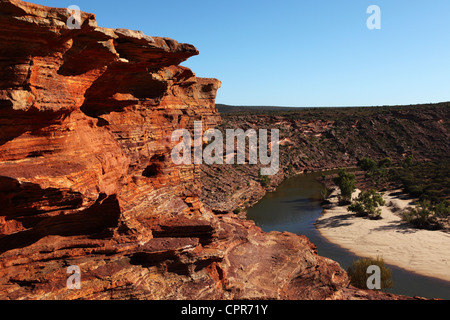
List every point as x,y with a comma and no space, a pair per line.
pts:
295,207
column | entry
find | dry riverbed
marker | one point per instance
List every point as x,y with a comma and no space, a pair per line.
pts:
421,251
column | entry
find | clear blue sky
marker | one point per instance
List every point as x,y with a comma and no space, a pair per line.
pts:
301,52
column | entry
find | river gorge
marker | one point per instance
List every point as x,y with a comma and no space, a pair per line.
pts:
87,179
295,207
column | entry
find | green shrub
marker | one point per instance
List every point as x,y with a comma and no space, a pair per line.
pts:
290,169
346,183
408,162
442,209
324,193
425,215
426,181
415,191
367,204
264,180
385,163
358,273
367,164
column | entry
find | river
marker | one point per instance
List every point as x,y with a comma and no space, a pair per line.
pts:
295,207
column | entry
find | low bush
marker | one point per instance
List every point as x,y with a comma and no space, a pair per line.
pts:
359,276
426,215
264,180
367,164
385,163
367,204
426,181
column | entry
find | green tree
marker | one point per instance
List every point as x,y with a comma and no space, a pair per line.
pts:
367,164
358,273
425,214
385,163
367,204
408,162
442,209
346,183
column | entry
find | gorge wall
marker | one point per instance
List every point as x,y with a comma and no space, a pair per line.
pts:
326,138
86,177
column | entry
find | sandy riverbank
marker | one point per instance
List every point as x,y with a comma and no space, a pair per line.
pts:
421,251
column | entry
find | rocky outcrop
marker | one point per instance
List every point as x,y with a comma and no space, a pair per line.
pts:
86,177
326,138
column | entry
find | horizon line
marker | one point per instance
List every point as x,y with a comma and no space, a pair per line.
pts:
342,106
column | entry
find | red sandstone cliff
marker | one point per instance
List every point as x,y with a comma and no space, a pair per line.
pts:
86,176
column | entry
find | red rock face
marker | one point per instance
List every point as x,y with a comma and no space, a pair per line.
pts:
86,176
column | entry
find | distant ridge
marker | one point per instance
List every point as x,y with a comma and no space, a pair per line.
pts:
223,108
227,109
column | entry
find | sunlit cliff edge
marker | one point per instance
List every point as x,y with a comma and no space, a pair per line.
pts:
86,176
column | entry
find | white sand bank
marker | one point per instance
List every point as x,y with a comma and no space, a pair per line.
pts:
421,251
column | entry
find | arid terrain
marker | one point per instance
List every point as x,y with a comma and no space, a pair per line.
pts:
327,138
86,177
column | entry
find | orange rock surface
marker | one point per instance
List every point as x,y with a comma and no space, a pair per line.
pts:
86,177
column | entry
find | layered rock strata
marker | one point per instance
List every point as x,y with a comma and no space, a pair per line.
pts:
324,139
86,177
